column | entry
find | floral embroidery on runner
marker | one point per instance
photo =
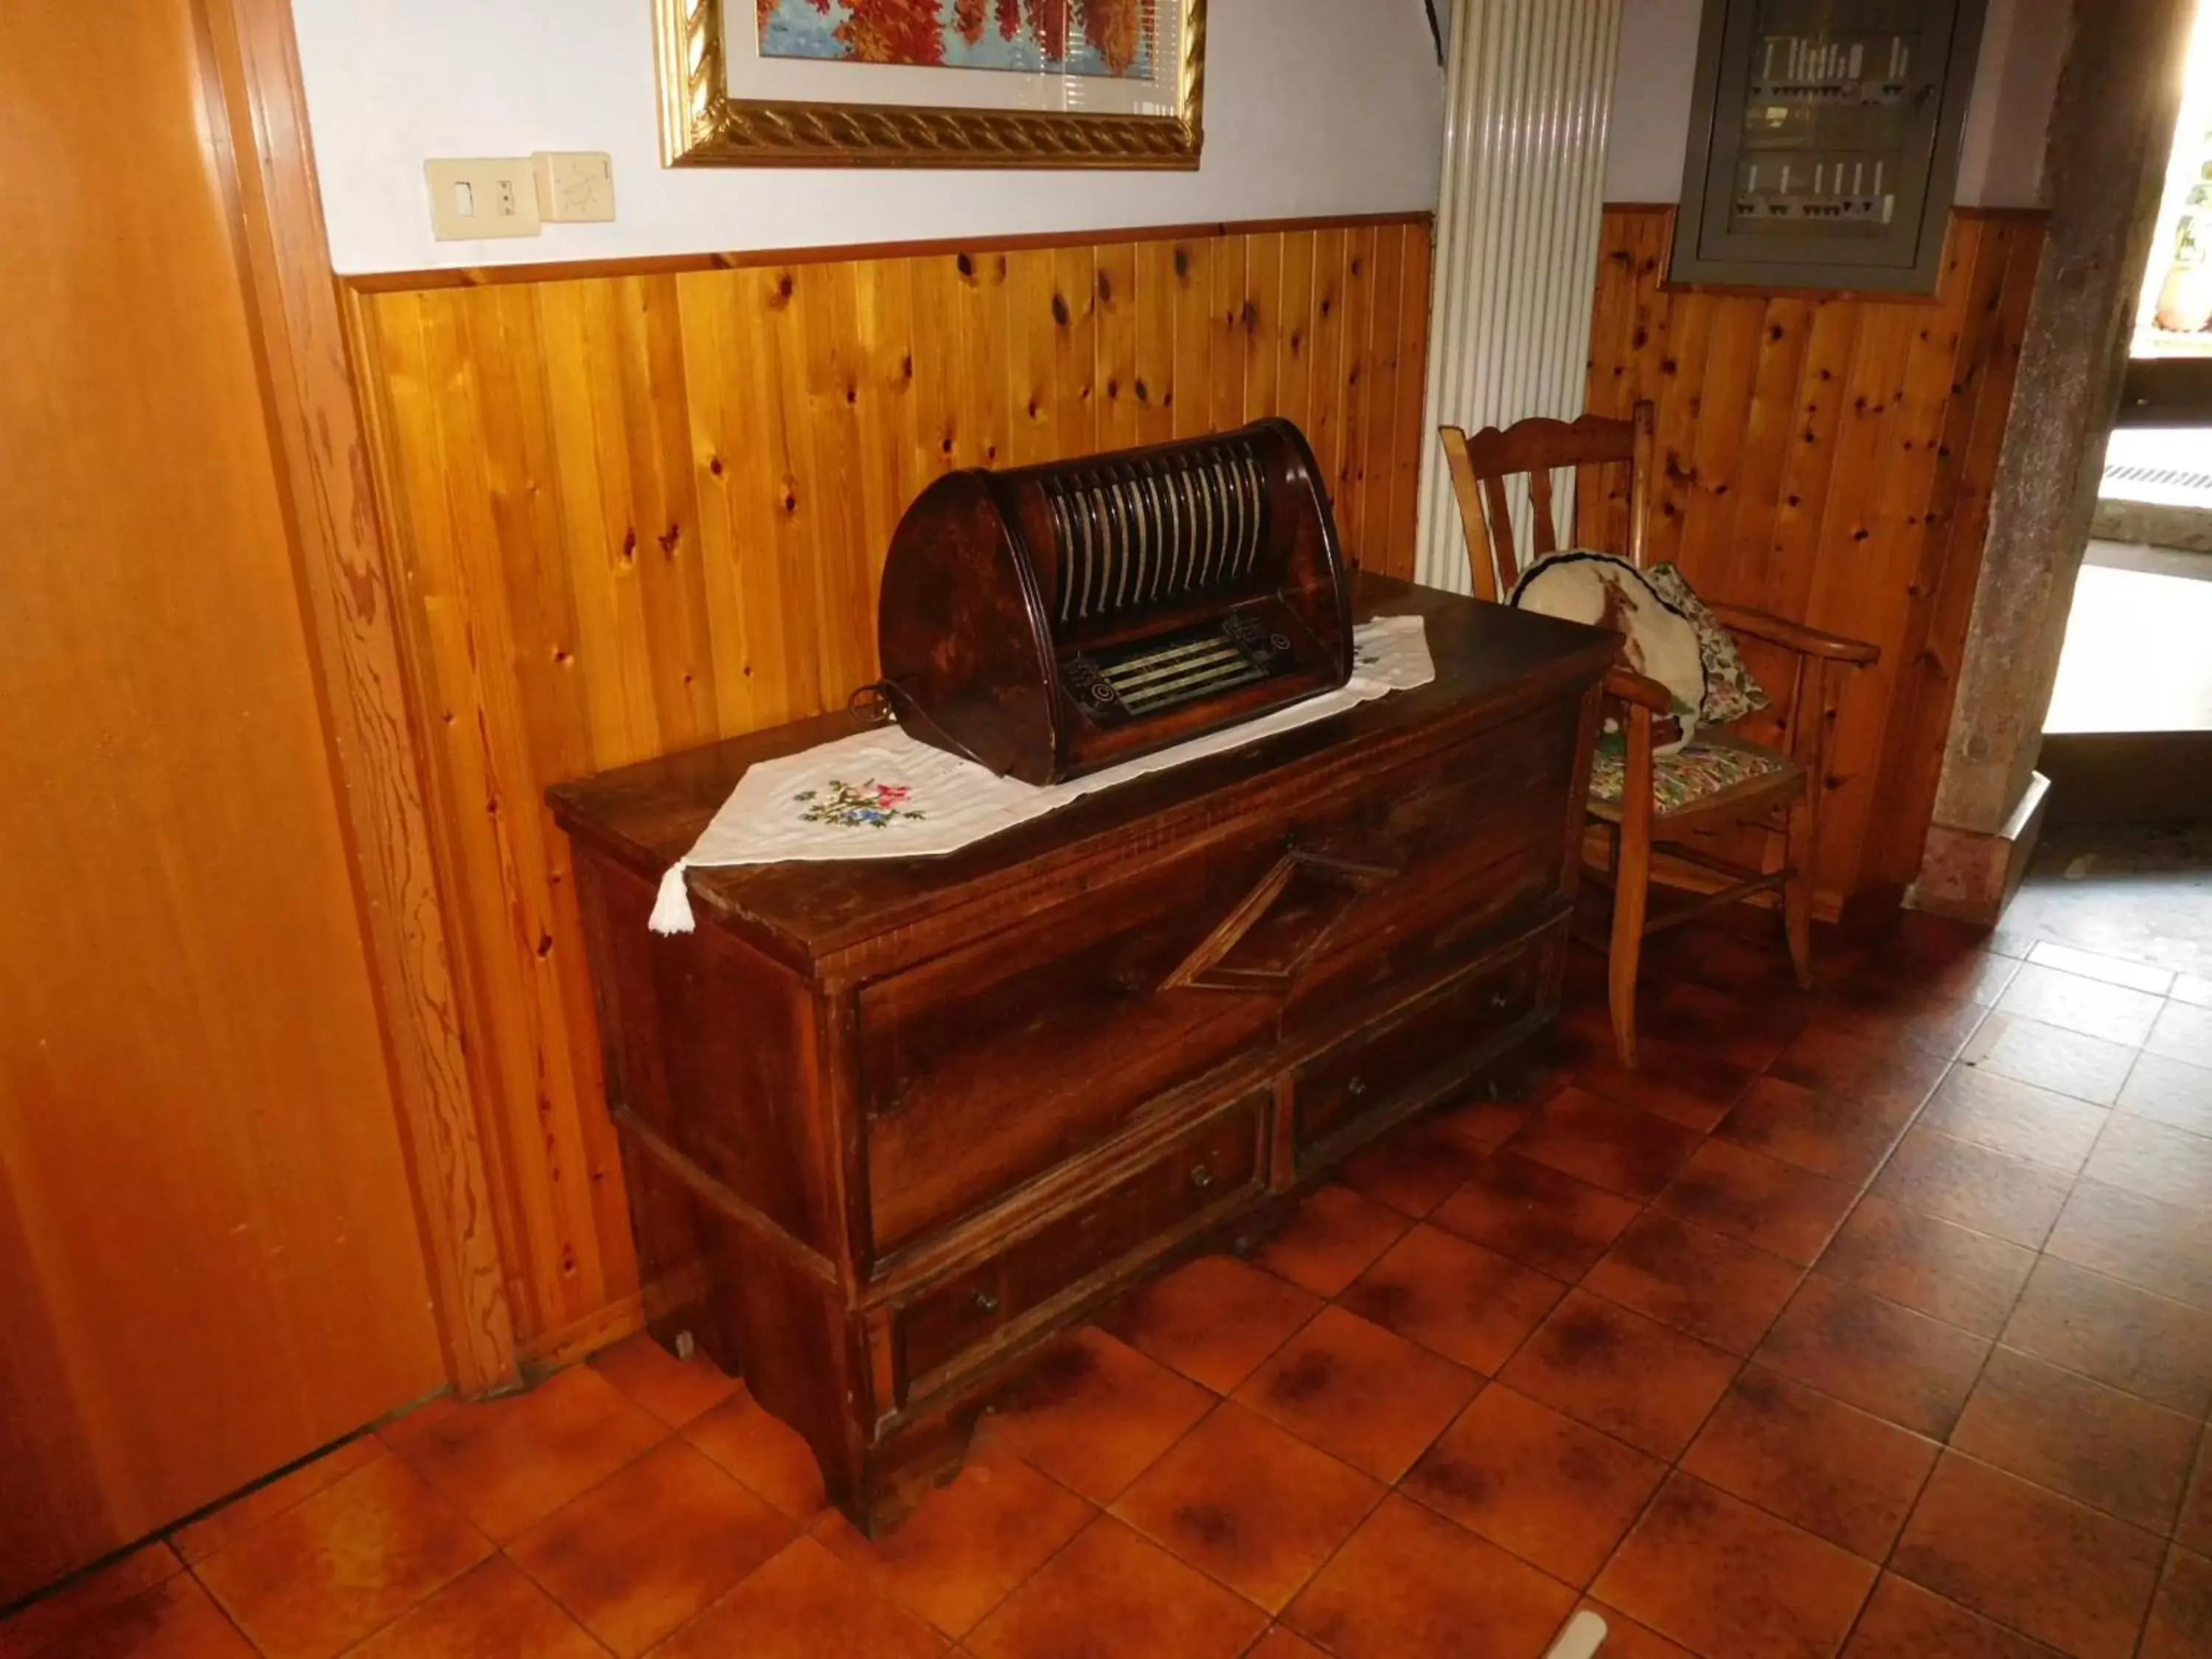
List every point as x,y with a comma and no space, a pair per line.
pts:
808,805
869,805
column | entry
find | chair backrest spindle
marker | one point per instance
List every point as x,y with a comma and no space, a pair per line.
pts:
1546,533
1481,465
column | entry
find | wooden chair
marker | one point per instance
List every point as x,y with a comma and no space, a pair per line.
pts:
1720,779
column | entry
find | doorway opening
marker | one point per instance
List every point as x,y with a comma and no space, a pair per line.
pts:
2128,732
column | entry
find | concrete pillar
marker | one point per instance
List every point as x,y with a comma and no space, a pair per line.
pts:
2112,129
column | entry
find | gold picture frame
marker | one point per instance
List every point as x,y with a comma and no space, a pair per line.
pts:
702,124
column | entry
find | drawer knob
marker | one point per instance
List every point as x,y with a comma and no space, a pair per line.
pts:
1357,1087
1200,1176
985,1302
1499,999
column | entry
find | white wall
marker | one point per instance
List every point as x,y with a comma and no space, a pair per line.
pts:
1312,106
1650,121
2000,153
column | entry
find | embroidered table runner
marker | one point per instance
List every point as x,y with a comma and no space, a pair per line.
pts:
883,794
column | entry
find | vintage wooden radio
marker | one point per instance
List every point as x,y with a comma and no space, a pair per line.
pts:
1051,621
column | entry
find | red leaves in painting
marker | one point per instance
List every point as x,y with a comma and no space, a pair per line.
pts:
1050,18
913,30
894,32
1116,30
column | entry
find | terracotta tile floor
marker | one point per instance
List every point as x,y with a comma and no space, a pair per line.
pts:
1875,1321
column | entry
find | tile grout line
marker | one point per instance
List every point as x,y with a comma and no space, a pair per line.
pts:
1104,1511
1673,1465
1995,1340
1676,1465
1944,1447
2075,1180
1389,1488
1743,1363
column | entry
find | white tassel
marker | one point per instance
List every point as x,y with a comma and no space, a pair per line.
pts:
672,910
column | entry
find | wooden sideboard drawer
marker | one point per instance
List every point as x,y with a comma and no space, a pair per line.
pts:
1215,1166
992,1063
1470,835
1374,1072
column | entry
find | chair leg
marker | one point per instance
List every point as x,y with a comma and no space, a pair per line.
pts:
1632,880
1798,892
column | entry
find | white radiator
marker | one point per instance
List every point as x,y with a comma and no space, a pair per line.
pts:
1516,235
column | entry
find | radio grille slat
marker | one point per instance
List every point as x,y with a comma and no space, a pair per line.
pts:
1158,530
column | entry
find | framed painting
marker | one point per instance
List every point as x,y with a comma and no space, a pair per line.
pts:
931,84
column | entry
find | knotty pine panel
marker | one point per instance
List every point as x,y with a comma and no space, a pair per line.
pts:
1829,457
642,511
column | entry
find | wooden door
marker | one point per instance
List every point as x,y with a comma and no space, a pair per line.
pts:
209,1259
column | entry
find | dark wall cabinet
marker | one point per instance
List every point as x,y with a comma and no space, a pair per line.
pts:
1824,141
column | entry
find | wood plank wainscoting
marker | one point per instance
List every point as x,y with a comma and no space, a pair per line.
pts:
640,507
1829,457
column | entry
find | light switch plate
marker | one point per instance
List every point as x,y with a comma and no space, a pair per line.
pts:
480,196
574,186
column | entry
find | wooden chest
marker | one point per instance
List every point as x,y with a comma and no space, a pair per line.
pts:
888,1125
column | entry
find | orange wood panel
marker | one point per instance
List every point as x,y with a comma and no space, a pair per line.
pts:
1033,353
1346,461
1378,448
1156,341
1119,412
1259,321
1829,457
643,509
210,1260
1294,338
1326,414
1225,342
1191,398
1397,558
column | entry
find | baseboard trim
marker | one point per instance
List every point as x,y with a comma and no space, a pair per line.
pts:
1970,875
552,1349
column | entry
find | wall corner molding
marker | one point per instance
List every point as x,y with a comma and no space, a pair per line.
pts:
352,624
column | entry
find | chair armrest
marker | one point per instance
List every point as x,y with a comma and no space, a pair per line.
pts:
1642,689
1794,636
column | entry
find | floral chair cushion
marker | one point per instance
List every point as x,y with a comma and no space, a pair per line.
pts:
1730,691
1699,769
